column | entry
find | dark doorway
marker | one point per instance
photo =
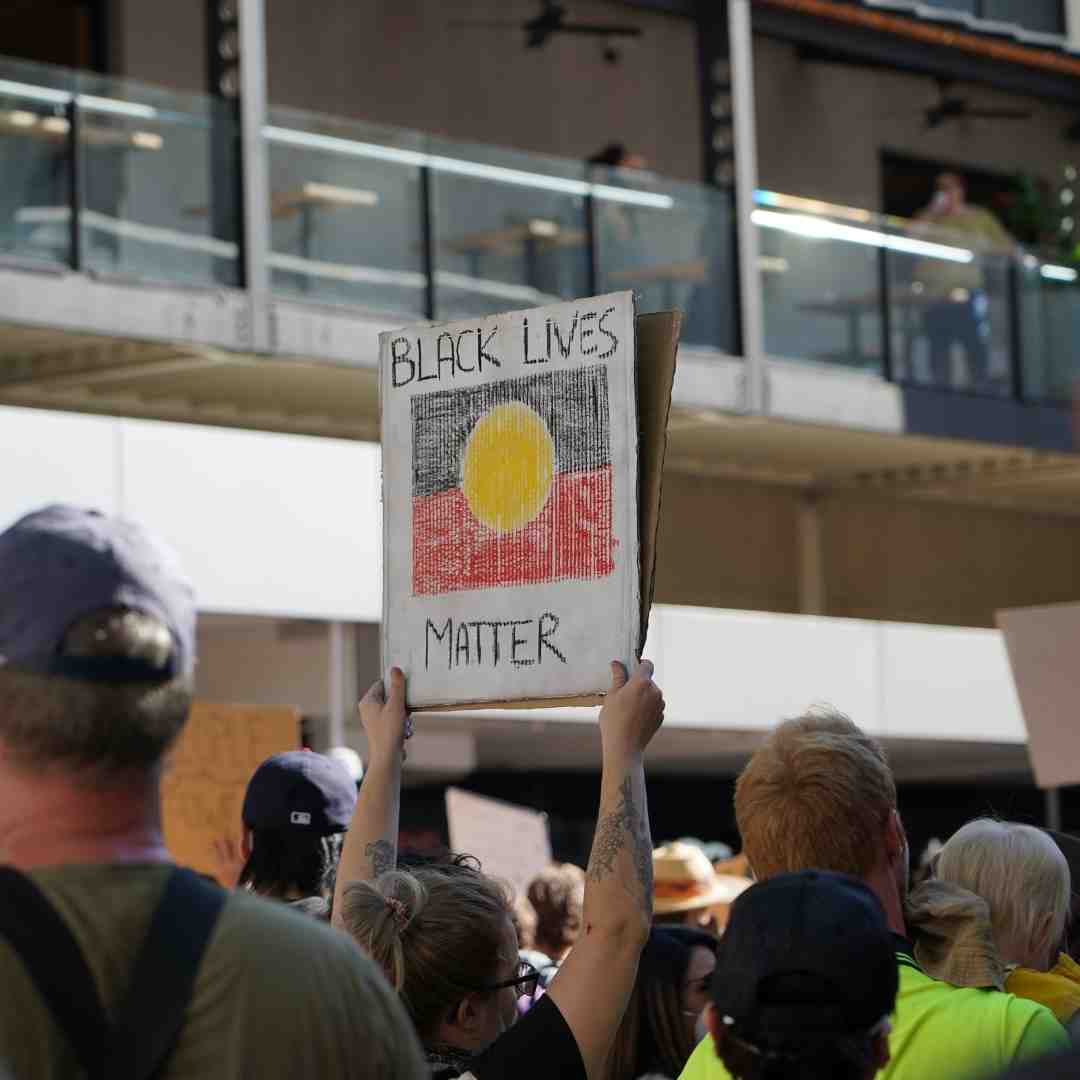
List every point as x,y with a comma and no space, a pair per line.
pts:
907,186
69,33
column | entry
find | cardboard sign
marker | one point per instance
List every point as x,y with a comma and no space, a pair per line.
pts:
207,774
519,527
1043,645
511,842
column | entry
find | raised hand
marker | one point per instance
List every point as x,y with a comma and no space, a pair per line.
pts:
385,720
633,710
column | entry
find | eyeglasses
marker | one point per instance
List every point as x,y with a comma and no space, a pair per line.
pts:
526,981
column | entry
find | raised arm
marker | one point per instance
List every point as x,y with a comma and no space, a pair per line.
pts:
595,981
371,843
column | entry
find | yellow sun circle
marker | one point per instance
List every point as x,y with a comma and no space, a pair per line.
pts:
508,467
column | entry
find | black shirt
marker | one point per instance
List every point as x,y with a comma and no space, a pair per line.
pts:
540,1044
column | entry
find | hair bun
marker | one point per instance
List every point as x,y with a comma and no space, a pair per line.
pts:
399,912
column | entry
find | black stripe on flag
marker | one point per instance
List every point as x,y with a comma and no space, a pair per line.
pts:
573,404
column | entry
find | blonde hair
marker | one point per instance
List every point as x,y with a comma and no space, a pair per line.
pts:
816,796
436,932
1021,874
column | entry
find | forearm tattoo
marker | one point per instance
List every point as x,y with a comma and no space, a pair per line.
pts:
381,855
624,826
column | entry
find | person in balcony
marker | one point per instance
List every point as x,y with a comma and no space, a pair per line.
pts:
957,304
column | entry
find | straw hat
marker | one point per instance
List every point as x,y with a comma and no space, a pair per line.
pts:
684,880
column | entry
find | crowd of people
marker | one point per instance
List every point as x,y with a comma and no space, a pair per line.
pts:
336,954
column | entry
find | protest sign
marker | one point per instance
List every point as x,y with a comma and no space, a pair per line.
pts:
519,524
511,842
1041,643
207,774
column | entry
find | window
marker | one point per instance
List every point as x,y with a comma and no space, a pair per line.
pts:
1044,16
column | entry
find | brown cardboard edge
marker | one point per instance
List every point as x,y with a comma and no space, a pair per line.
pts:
657,352
585,701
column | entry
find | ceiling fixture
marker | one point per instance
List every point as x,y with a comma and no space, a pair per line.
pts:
959,108
553,20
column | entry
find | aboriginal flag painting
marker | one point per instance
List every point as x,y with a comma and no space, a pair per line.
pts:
512,483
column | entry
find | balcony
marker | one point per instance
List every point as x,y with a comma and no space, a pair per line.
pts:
124,287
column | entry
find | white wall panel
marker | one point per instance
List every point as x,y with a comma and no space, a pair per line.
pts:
748,670
56,457
265,524
939,679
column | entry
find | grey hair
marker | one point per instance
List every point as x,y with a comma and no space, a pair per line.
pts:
96,727
1022,875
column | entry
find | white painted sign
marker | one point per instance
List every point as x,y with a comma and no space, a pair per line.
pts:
512,842
510,503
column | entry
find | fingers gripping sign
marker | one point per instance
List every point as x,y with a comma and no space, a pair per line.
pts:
634,708
385,720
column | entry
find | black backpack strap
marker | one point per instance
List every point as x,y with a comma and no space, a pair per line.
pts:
55,963
152,1012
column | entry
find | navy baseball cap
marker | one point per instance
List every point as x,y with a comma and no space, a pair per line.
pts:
805,956
300,790
61,563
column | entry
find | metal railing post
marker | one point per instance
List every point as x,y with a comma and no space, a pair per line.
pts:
743,115
887,368
1016,335
75,184
592,270
255,169
427,241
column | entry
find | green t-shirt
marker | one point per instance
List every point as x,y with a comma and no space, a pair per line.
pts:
940,277
942,1030
277,994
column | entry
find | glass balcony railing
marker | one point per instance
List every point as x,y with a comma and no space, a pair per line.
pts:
398,222
115,178
919,304
347,214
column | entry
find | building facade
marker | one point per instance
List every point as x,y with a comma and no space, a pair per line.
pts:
211,210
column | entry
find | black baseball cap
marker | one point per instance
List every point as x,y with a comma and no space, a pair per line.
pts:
61,563
300,790
805,957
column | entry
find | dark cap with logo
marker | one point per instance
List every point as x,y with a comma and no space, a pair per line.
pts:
805,956
300,790
62,563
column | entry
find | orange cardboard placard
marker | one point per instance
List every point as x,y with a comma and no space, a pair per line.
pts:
207,774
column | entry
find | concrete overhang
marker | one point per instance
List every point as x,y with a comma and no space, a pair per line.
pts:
86,344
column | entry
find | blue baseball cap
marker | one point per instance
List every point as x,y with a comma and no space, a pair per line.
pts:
62,563
300,790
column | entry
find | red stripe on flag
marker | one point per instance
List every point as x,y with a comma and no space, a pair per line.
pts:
569,539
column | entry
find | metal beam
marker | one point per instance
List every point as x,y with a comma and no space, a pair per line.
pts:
1072,21
256,178
337,706
746,182
812,596
1053,808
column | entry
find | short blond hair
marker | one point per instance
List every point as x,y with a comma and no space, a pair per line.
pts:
816,796
1021,874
